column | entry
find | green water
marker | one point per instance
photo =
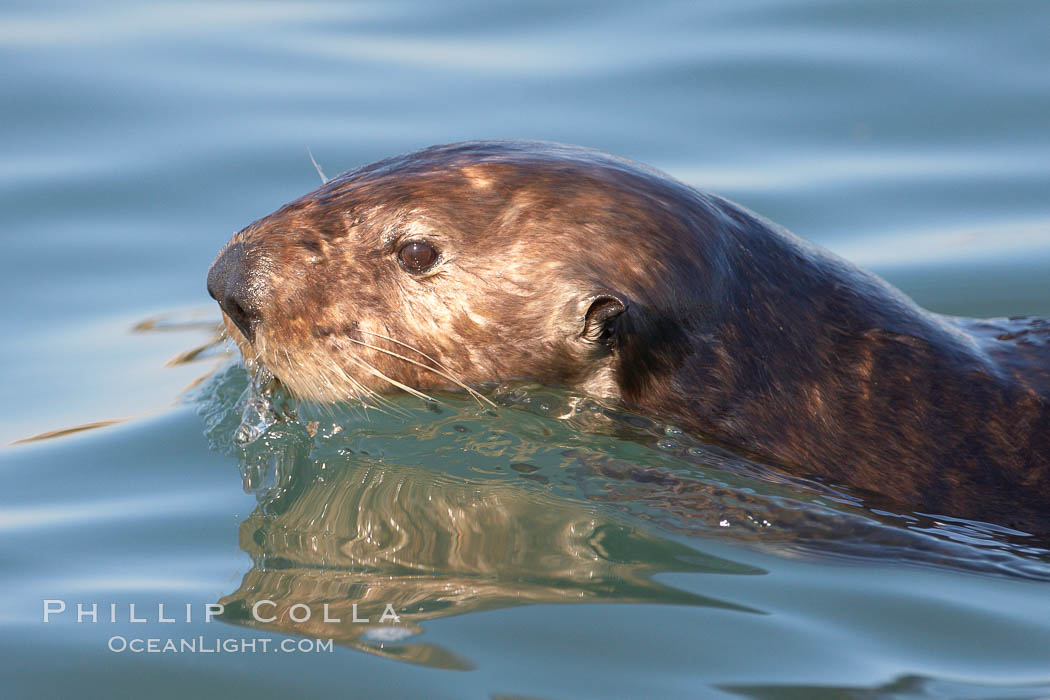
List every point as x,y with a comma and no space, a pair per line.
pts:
549,547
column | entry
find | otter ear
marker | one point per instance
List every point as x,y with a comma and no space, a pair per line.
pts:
600,321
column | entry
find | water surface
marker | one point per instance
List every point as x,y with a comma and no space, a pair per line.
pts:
550,547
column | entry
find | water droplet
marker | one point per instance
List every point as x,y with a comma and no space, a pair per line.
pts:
257,417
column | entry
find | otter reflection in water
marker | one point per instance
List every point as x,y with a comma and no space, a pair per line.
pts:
353,538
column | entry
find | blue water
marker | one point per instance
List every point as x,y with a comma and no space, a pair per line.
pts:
535,551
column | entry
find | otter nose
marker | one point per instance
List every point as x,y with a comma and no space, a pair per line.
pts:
228,285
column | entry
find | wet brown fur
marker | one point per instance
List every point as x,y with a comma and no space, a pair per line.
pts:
734,327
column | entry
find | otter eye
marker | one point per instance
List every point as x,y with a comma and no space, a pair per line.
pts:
417,256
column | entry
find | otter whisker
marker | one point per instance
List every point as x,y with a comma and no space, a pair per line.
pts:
406,345
317,166
477,397
404,387
366,394
362,393
357,390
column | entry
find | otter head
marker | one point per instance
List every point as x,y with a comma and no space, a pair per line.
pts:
457,265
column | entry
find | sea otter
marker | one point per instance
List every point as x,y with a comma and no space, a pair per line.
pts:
484,261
